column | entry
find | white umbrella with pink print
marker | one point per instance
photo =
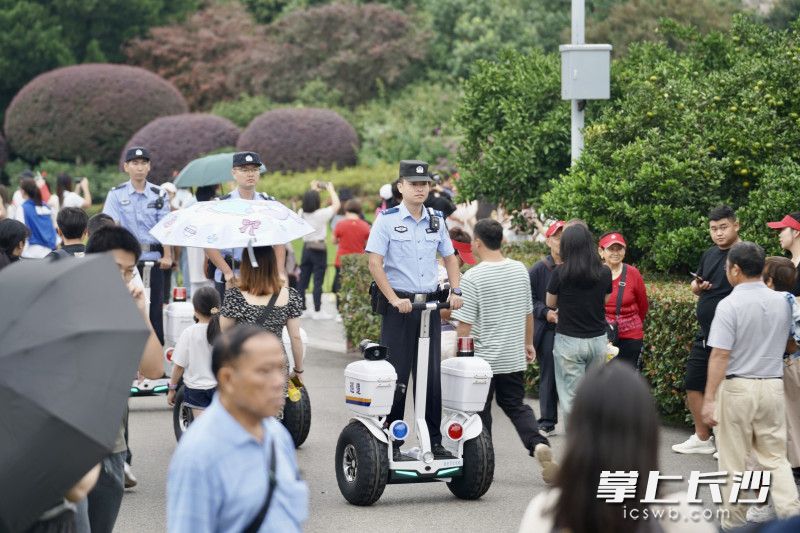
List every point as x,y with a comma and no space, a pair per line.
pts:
233,223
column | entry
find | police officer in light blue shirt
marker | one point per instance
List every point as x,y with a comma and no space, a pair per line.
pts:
246,171
137,205
402,246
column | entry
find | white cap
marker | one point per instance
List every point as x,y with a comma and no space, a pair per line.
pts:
386,191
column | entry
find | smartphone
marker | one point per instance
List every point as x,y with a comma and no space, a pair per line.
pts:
696,276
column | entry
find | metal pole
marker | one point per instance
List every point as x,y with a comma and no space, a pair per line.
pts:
578,37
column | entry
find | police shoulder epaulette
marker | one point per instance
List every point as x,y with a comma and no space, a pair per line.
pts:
265,196
120,186
225,197
391,210
158,190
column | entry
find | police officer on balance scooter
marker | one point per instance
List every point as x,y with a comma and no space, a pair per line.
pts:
402,247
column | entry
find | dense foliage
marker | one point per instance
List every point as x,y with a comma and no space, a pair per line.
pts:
3,152
38,35
716,123
363,181
86,112
299,139
515,128
175,140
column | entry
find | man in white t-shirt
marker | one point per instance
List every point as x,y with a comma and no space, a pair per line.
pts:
498,313
315,250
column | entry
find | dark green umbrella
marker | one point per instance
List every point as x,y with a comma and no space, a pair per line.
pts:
208,170
70,343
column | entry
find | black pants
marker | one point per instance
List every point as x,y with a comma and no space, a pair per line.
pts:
629,351
220,286
337,284
510,391
548,396
156,298
400,332
314,262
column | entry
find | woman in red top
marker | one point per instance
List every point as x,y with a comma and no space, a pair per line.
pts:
633,309
350,234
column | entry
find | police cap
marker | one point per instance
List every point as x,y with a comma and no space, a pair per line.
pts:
413,170
137,152
241,159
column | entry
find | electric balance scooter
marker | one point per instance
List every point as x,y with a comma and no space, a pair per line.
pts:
364,460
148,387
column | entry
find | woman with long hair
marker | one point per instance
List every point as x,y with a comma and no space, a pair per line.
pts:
578,291
315,250
67,197
39,219
260,298
607,432
13,235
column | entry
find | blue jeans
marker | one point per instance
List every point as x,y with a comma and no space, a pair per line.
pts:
572,357
97,513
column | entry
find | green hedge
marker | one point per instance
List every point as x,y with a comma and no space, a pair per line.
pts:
669,328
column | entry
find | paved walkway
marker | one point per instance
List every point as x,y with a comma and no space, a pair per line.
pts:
402,508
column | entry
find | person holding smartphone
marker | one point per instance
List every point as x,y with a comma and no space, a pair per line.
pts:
315,250
711,286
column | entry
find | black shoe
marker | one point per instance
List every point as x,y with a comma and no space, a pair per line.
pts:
440,452
396,454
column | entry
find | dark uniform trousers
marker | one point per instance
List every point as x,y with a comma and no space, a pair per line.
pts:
156,298
548,397
400,332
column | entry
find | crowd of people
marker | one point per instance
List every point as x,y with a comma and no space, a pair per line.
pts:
580,312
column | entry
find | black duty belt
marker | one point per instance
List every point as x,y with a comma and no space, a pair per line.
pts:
732,376
146,247
420,296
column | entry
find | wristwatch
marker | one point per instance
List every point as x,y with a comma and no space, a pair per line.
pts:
456,291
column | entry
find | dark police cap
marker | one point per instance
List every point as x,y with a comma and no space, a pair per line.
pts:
413,170
137,152
241,159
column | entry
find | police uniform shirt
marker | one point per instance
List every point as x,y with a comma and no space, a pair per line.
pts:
138,212
409,248
236,253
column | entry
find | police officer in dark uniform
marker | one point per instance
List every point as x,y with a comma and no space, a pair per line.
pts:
137,205
246,170
402,247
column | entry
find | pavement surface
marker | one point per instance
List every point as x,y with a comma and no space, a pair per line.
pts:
402,508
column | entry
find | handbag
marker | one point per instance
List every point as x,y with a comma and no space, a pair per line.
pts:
612,328
255,524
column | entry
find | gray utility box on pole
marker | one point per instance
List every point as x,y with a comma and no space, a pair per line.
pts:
585,71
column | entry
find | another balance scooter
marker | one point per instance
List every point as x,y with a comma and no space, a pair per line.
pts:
364,459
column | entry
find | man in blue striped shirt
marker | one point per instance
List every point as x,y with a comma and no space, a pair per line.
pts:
235,469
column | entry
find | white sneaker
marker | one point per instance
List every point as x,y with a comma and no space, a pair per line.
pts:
761,514
130,479
716,456
694,445
321,315
337,318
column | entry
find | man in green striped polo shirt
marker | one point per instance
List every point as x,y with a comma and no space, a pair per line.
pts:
498,313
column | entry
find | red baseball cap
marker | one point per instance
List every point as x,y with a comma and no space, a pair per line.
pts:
612,238
787,222
464,250
554,227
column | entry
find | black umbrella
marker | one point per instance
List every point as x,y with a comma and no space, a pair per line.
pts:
70,342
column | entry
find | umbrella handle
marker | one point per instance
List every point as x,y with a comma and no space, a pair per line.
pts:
251,253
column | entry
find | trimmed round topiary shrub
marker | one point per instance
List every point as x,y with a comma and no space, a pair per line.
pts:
175,140
87,111
3,152
295,140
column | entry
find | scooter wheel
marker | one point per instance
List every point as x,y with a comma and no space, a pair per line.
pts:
297,417
182,414
362,465
478,470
